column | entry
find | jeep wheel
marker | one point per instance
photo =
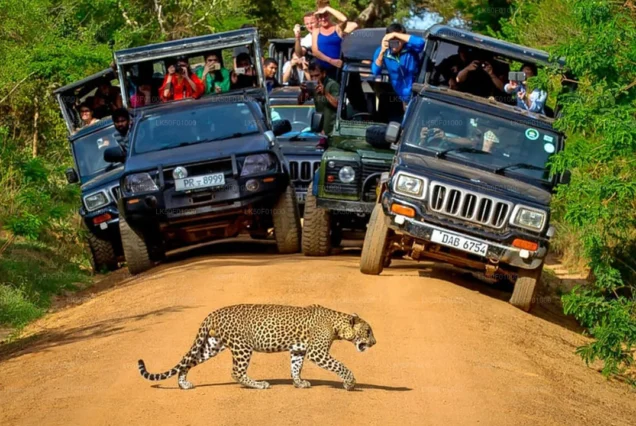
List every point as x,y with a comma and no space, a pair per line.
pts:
287,222
373,259
136,250
316,227
102,254
525,288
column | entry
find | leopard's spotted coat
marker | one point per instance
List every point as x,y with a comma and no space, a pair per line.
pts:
303,331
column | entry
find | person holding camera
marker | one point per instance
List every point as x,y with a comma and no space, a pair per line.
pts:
399,55
533,102
295,71
324,91
181,82
303,45
243,76
215,78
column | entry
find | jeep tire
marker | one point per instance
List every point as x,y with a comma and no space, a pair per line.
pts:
286,220
373,259
316,227
136,249
102,254
525,288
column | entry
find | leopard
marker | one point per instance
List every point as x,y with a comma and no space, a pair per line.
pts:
303,331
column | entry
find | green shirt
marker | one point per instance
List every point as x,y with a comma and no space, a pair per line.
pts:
325,108
210,82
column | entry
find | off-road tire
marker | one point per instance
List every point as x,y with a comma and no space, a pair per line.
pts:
102,254
525,289
316,227
136,250
373,258
286,220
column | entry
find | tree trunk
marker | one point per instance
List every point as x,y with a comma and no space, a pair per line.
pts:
36,117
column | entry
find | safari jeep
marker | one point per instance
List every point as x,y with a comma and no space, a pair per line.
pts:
99,180
482,207
201,169
341,195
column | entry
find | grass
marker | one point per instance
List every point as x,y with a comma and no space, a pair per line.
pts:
30,275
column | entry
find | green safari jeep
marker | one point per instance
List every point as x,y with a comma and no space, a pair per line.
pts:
342,194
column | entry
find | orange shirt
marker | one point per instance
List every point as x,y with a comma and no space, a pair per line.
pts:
181,88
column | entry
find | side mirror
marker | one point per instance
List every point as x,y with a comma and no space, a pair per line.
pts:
376,136
71,176
114,154
565,177
280,127
393,132
316,122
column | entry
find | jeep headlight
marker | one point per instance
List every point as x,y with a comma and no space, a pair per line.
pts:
410,185
258,163
529,218
140,183
96,200
347,174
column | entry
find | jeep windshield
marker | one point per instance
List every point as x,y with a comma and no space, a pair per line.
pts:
490,142
298,115
89,152
178,127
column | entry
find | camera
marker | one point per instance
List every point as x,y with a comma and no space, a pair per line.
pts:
303,28
311,87
394,44
516,76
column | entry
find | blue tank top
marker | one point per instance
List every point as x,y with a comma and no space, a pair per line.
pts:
330,46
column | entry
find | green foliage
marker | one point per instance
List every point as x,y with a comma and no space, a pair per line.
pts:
598,40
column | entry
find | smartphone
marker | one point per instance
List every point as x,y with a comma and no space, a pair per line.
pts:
394,44
216,66
239,71
516,76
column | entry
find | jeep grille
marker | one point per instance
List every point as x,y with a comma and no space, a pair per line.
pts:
373,170
470,206
116,192
303,171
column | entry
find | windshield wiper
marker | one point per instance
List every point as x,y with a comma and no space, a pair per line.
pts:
520,166
442,154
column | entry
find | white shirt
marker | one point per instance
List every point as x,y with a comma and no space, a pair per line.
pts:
300,72
306,41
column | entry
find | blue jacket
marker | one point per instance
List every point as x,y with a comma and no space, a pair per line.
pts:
402,69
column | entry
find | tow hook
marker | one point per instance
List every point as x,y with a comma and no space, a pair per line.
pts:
490,270
418,248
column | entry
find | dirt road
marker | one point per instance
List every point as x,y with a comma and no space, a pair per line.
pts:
450,351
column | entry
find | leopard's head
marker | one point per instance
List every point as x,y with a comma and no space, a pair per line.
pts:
359,332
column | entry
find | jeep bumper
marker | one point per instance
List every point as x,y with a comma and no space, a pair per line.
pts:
356,207
496,252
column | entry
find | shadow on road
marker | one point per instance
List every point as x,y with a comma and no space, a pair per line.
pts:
289,382
53,338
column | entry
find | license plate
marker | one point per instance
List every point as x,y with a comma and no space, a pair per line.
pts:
460,243
300,197
196,182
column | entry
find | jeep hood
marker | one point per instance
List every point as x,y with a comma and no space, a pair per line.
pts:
197,152
305,146
362,148
472,178
108,178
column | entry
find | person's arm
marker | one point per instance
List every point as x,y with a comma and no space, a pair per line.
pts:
351,27
332,94
341,17
202,73
164,90
378,60
197,86
493,77
298,49
463,74
412,42
286,71
225,83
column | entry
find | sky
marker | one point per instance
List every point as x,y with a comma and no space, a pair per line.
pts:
426,20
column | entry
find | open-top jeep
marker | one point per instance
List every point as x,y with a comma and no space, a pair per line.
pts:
470,184
99,180
343,190
201,169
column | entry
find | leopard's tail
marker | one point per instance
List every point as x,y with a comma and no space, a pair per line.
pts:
187,361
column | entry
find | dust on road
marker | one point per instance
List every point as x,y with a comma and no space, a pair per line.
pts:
450,351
